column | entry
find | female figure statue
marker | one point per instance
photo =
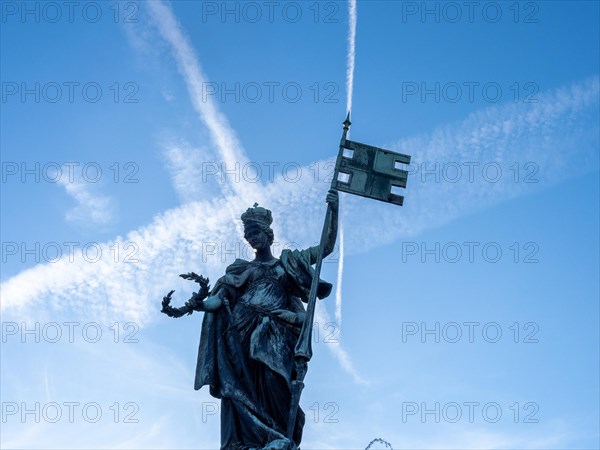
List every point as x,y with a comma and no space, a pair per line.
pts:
253,318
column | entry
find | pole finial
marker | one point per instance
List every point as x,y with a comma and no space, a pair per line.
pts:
347,122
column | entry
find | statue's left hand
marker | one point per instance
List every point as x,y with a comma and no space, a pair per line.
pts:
289,316
195,302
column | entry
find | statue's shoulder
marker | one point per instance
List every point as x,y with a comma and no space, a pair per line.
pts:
288,254
238,266
236,273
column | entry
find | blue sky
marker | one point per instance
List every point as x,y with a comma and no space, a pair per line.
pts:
145,104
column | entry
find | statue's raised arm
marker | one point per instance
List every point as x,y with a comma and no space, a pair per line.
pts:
332,227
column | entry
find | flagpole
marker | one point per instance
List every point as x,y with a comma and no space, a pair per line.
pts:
303,350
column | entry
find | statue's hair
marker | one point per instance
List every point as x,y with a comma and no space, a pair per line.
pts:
270,235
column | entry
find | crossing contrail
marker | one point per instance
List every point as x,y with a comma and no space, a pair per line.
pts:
351,52
224,137
349,90
338,290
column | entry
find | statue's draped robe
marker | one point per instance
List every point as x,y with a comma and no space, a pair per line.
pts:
246,354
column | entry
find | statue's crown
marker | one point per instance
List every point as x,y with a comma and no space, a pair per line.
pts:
257,214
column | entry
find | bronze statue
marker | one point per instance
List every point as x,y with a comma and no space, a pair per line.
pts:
253,319
256,336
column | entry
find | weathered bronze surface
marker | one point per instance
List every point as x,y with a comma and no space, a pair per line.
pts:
253,318
255,343
370,171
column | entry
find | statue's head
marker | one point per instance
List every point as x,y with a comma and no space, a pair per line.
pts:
257,226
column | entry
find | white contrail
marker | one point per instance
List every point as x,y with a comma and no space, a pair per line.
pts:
336,349
225,139
349,91
92,209
351,52
338,291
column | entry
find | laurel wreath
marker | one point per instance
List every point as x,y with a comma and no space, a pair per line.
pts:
194,303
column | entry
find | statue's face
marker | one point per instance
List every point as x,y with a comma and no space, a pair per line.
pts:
257,238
